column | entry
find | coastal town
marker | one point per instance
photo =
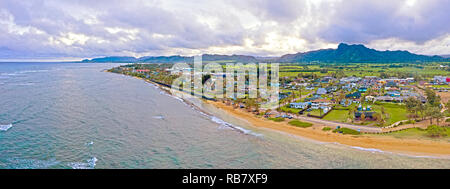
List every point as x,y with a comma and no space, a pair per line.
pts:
347,104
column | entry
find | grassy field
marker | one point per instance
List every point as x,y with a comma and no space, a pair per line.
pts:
362,69
440,86
394,112
416,133
316,112
298,123
337,115
277,119
286,108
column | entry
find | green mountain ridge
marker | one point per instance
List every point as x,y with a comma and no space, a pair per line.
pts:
343,54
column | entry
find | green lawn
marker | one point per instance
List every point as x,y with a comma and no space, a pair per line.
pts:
277,119
286,108
298,123
337,115
416,133
346,131
315,112
395,112
440,86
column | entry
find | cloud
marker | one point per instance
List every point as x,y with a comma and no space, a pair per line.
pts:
77,28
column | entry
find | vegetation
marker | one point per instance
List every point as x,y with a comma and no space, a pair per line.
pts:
346,131
326,129
432,132
298,123
277,119
436,131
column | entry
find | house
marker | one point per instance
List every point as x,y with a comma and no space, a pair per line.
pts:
355,95
142,70
311,98
370,98
390,99
441,79
300,105
391,84
321,91
350,79
284,95
326,79
384,98
331,89
320,103
349,86
393,93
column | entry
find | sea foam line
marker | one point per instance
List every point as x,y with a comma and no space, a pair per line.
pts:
211,117
5,127
89,164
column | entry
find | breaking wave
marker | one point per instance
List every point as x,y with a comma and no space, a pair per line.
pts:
6,127
89,164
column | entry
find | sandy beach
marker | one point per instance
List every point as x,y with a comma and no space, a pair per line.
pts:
384,143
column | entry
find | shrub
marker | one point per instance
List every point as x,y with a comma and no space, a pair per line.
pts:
326,129
277,119
298,123
346,131
436,131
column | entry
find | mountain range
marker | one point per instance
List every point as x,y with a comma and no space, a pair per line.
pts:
345,53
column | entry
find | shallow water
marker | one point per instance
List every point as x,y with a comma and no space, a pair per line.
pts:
66,115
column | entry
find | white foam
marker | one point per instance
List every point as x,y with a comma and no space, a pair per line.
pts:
229,125
373,150
31,71
18,163
213,118
90,164
90,143
158,117
5,127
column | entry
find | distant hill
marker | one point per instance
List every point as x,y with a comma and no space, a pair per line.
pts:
113,59
173,59
343,54
358,53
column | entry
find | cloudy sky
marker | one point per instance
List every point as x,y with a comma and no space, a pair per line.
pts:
76,29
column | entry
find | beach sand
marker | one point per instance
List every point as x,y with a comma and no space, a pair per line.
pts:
385,143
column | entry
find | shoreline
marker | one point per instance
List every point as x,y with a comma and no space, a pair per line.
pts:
413,147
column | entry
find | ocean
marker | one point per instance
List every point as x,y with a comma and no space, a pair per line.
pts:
75,116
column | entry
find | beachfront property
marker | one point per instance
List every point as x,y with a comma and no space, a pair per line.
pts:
300,105
329,97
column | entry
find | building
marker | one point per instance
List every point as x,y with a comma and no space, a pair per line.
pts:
300,105
320,103
350,79
441,79
355,95
142,71
321,91
346,102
